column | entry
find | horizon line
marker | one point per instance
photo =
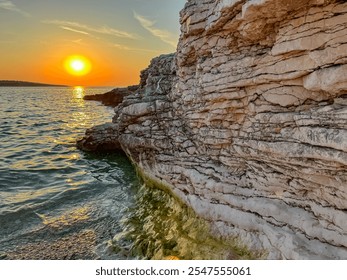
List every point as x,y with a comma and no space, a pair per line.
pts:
52,85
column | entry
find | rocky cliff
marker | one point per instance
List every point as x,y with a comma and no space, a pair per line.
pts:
247,122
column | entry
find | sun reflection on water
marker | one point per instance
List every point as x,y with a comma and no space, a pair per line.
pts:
68,218
78,92
22,196
78,117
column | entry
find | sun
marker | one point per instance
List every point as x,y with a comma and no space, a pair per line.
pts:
77,65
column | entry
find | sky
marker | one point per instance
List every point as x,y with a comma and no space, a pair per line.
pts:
117,37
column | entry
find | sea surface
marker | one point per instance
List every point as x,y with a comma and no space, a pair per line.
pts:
57,202
50,190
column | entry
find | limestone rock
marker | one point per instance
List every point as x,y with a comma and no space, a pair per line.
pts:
100,138
248,122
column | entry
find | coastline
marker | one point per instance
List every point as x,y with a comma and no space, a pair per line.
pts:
204,244
10,83
250,135
112,98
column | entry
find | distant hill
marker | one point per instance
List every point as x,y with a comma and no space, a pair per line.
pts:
4,83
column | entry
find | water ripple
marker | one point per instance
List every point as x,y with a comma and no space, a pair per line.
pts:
45,182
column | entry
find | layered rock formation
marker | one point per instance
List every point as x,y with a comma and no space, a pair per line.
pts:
247,123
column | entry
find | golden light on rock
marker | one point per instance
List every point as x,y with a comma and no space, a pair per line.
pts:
77,65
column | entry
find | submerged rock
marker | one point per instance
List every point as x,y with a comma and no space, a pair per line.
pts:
247,123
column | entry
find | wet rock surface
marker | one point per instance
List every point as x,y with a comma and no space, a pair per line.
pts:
101,138
248,123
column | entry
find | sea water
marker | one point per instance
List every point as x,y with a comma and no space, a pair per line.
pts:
50,192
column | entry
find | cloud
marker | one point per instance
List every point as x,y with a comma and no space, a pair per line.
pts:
162,34
74,30
78,41
125,48
78,27
9,6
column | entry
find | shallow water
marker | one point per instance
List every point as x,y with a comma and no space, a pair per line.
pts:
48,188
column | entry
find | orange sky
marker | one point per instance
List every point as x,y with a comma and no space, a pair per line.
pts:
118,37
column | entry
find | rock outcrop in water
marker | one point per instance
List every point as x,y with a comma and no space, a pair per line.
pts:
247,123
112,98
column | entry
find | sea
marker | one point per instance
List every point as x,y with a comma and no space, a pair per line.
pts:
49,190
57,202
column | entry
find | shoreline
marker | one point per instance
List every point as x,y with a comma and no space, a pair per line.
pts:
10,83
232,144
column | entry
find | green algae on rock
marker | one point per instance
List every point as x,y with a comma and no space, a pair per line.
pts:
163,227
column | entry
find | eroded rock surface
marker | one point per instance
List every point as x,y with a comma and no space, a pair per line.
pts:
100,138
248,122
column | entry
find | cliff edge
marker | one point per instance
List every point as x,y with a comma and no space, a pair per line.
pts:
247,123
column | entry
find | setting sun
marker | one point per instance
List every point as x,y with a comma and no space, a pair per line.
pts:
77,65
